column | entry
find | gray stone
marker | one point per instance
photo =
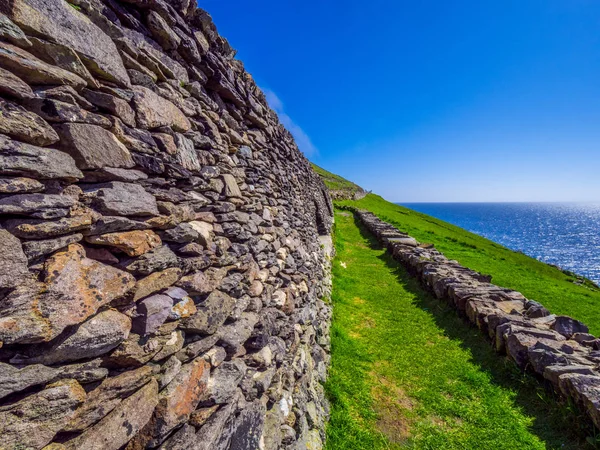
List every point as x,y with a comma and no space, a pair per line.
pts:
40,229
211,314
20,185
12,86
111,104
234,335
211,432
43,206
97,336
155,260
169,370
162,32
123,199
58,22
152,313
247,428
111,224
17,158
35,249
57,111
26,126
224,381
86,372
182,233
13,262
114,174
12,33
154,111
33,70
568,326
231,186
14,380
192,350
186,153
93,147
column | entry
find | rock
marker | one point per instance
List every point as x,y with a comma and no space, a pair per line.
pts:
121,424
56,111
14,380
568,327
162,32
201,415
124,199
182,309
210,434
44,206
39,229
12,33
155,282
97,336
169,370
93,147
110,224
224,381
111,104
35,249
178,400
13,86
211,314
137,350
202,283
17,158
107,397
114,174
247,428
58,22
154,111
184,438
13,262
20,185
75,287
186,154
33,70
63,57
86,372
233,335
157,259
197,347
26,126
182,233
133,243
152,313
33,421
231,186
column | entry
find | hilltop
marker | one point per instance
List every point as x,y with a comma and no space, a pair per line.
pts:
339,188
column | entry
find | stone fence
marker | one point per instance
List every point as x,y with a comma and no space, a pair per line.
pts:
161,272
557,348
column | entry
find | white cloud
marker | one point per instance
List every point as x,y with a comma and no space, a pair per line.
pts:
302,140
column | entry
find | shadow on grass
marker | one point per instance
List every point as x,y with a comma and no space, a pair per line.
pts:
554,422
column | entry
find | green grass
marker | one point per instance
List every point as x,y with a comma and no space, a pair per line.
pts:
553,288
335,182
407,372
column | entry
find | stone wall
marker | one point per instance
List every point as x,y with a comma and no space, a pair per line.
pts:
557,348
161,273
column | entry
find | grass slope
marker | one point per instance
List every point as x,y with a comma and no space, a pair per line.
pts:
534,279
408,373
335,182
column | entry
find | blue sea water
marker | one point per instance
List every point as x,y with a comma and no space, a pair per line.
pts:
564,234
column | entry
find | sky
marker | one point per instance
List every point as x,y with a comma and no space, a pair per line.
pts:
430,100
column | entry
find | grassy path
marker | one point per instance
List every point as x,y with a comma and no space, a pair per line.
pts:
408,373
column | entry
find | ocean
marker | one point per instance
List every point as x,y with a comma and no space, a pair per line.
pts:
564,234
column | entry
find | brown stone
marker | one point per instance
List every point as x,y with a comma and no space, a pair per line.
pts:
17,122
155,282
154,111
37,229
12,86
133,243
20,185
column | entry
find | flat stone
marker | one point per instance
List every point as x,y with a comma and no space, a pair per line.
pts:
231,187
247,428
58,22
114,105
203,282
157,259
124,199
106,397
162,32
86,372
234,335
35,420
152,313
568,326
57,111
154,111
17,122
95,337
155,282
20,185
114,174
121,424
110,224
194,349
137,350
210,315
133,243
12,33
33,70
211,433
553,373
93,147
13,262
43,206
184,438
17,158
186,154
35,249
12,86
224,381
15,380
585,390
182,309
40,229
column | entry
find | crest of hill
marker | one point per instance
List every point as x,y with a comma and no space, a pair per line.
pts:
339,188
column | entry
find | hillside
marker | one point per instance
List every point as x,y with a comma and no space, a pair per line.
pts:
339,188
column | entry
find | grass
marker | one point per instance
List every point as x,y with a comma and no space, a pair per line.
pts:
407,372
546,284
335,182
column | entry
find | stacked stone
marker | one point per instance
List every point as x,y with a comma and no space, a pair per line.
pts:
161,274
557,348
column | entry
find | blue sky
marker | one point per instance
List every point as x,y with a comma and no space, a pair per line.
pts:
433,100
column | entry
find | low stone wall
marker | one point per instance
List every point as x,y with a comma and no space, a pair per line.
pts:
161,272
557,348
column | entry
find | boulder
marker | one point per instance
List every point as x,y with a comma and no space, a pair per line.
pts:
35,420
121,424
93,147
57,21
33,70
123,199
97,336
568,326
43,206
133,243
210,314
17,158
17,122
13,262
154,111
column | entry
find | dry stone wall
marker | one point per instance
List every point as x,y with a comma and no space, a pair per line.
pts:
162,268
557,348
